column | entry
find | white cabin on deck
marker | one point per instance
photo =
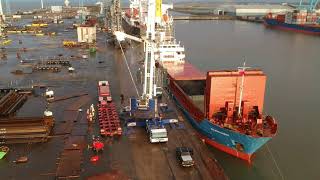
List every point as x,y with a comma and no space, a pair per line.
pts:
170,52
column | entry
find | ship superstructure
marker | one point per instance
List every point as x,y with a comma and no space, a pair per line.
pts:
135,17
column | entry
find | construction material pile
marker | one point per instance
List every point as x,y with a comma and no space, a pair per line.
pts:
21,129
25,129
11,102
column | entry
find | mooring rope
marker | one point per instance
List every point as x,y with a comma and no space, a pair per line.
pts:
275,162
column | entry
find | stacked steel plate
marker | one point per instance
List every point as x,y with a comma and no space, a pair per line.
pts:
22,129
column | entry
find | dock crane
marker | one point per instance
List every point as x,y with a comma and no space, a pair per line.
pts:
149,87
147,102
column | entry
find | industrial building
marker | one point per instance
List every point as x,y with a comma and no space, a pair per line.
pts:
233,9
87,34
256,9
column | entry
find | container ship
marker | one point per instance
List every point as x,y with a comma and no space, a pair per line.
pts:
225,107
298,21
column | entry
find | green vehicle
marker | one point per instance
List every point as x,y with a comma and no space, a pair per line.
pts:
3,151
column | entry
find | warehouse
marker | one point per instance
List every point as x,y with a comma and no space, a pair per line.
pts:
256,10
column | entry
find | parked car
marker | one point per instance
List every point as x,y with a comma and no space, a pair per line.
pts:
184,156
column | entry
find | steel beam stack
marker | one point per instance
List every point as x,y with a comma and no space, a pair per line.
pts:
25,129
11,102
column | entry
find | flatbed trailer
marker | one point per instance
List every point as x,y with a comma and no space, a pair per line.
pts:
109,120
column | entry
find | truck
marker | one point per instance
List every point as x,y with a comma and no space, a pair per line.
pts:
184,156
156,130
104,91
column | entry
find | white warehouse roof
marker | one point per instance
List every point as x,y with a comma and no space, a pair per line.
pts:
257,9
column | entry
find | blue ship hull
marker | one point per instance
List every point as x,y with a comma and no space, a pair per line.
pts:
224,139
274,23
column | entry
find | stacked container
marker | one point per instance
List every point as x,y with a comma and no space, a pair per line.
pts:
301,17
288,18
312,18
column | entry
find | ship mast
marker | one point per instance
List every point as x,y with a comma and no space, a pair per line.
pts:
41,4
241,71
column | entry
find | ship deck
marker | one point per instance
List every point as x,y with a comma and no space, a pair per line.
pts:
185,71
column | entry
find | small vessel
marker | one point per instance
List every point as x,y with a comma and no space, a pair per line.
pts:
3,151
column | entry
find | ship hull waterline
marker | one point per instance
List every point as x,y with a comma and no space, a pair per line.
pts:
272,23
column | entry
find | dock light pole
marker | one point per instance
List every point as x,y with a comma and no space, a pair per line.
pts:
241,71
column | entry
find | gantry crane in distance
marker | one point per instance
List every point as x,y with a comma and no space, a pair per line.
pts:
309,5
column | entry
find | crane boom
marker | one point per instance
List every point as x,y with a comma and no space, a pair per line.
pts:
121,36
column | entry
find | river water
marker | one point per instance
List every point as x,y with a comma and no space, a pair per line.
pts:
291,62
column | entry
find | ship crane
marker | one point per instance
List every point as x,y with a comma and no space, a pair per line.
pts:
242,74
149,86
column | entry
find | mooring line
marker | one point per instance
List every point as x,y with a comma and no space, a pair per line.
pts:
275,162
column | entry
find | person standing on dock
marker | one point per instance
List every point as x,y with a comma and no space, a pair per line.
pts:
122,99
